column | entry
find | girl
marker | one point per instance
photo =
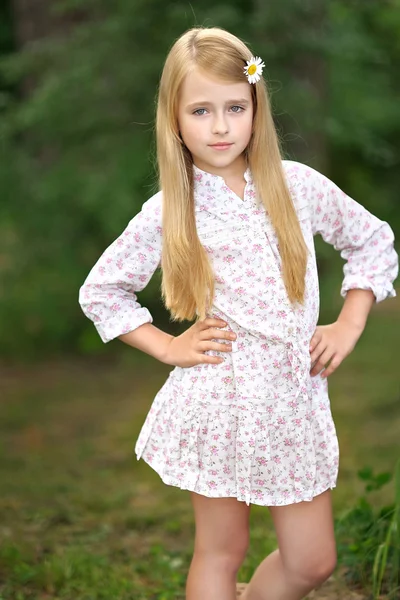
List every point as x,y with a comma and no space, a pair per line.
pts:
244,417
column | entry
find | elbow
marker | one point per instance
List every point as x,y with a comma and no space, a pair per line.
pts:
84,299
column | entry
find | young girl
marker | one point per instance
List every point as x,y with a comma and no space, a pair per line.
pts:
244,417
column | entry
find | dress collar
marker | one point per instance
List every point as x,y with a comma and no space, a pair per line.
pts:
206,181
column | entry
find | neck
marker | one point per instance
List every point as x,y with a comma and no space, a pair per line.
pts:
233,171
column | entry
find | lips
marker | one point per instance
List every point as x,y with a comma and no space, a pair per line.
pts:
221,145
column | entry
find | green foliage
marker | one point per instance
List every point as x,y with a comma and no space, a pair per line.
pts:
77,140
75,573
369,539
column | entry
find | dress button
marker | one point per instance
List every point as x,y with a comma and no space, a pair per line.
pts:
290,330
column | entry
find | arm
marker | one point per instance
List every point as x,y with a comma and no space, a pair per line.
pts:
185,350
331,344
149,339
367,245
356,308
107,296
365,242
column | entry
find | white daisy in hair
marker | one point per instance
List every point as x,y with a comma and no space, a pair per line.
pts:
254,69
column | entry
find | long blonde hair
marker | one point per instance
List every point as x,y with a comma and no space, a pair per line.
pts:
187,276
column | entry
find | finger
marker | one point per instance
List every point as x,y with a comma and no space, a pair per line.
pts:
207,358
211,322
219,347
318,350
315,340
211,333
335,362
322,361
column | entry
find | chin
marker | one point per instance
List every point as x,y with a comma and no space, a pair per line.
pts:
225,163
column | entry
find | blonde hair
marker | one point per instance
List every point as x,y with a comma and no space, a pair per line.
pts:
187,276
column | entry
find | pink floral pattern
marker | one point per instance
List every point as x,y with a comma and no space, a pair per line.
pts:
256,427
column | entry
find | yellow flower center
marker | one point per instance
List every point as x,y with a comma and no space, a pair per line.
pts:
252,69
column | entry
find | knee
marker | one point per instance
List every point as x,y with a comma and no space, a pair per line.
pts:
230,562
314,573
227,558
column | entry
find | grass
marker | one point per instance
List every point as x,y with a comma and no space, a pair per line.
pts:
81,519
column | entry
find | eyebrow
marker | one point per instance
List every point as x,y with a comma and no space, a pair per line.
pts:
205,103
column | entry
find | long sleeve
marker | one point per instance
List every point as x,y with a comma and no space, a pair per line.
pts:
107,296
365,242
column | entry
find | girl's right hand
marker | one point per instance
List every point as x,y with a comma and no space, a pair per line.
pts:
187,349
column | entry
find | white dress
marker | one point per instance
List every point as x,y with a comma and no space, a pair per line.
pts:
256,427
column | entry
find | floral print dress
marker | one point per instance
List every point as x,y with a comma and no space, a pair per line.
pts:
256,427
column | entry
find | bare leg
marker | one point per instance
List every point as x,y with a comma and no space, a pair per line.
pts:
306,555
221,541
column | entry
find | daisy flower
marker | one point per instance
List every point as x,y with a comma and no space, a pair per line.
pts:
254,69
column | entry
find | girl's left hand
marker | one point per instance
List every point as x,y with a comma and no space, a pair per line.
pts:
331,344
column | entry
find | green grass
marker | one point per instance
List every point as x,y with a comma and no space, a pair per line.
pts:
81,519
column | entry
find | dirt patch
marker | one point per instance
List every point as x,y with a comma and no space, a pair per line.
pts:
331,590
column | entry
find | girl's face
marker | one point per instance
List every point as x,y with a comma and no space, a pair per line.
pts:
215,120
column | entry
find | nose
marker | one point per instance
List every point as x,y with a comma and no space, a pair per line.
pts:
220,124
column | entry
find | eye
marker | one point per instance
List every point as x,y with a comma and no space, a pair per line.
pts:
198,111
236,108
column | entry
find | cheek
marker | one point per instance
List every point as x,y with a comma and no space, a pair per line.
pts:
191,131
247,126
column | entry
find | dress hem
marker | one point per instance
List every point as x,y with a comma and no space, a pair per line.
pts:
192,488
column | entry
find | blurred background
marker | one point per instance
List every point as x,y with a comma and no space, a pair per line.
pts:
79,517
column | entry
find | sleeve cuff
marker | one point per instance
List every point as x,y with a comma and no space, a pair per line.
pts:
113,328
381,292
